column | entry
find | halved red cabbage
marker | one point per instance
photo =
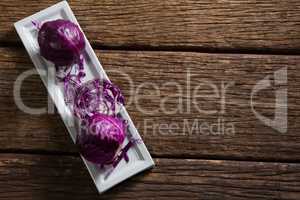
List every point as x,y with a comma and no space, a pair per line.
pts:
101,138
61,42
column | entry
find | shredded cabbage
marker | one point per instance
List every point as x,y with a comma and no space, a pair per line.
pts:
98,96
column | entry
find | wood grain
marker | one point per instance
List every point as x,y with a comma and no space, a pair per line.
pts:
209,24
63,177
251,140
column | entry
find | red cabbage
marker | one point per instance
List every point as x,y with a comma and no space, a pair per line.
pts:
61,42
96,103
97,96
101,137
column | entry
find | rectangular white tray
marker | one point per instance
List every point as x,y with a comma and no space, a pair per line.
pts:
139,157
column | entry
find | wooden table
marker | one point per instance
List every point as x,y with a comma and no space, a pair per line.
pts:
155,41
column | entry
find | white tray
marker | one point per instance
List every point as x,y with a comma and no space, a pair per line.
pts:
139,157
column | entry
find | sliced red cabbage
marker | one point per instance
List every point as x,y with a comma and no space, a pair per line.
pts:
98,96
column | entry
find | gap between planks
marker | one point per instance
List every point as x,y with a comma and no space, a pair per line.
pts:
282,52
42,152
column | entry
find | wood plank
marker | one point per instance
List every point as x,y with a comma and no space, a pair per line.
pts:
169,134
209,24
64,177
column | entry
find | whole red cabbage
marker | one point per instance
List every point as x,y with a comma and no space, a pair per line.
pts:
101,138
61,42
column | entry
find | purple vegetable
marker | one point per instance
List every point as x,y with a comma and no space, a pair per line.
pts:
70,89
96,103
97,96
101,138
61,42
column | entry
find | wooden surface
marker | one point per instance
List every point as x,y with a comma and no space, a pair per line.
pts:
156,42
58,177
206,24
